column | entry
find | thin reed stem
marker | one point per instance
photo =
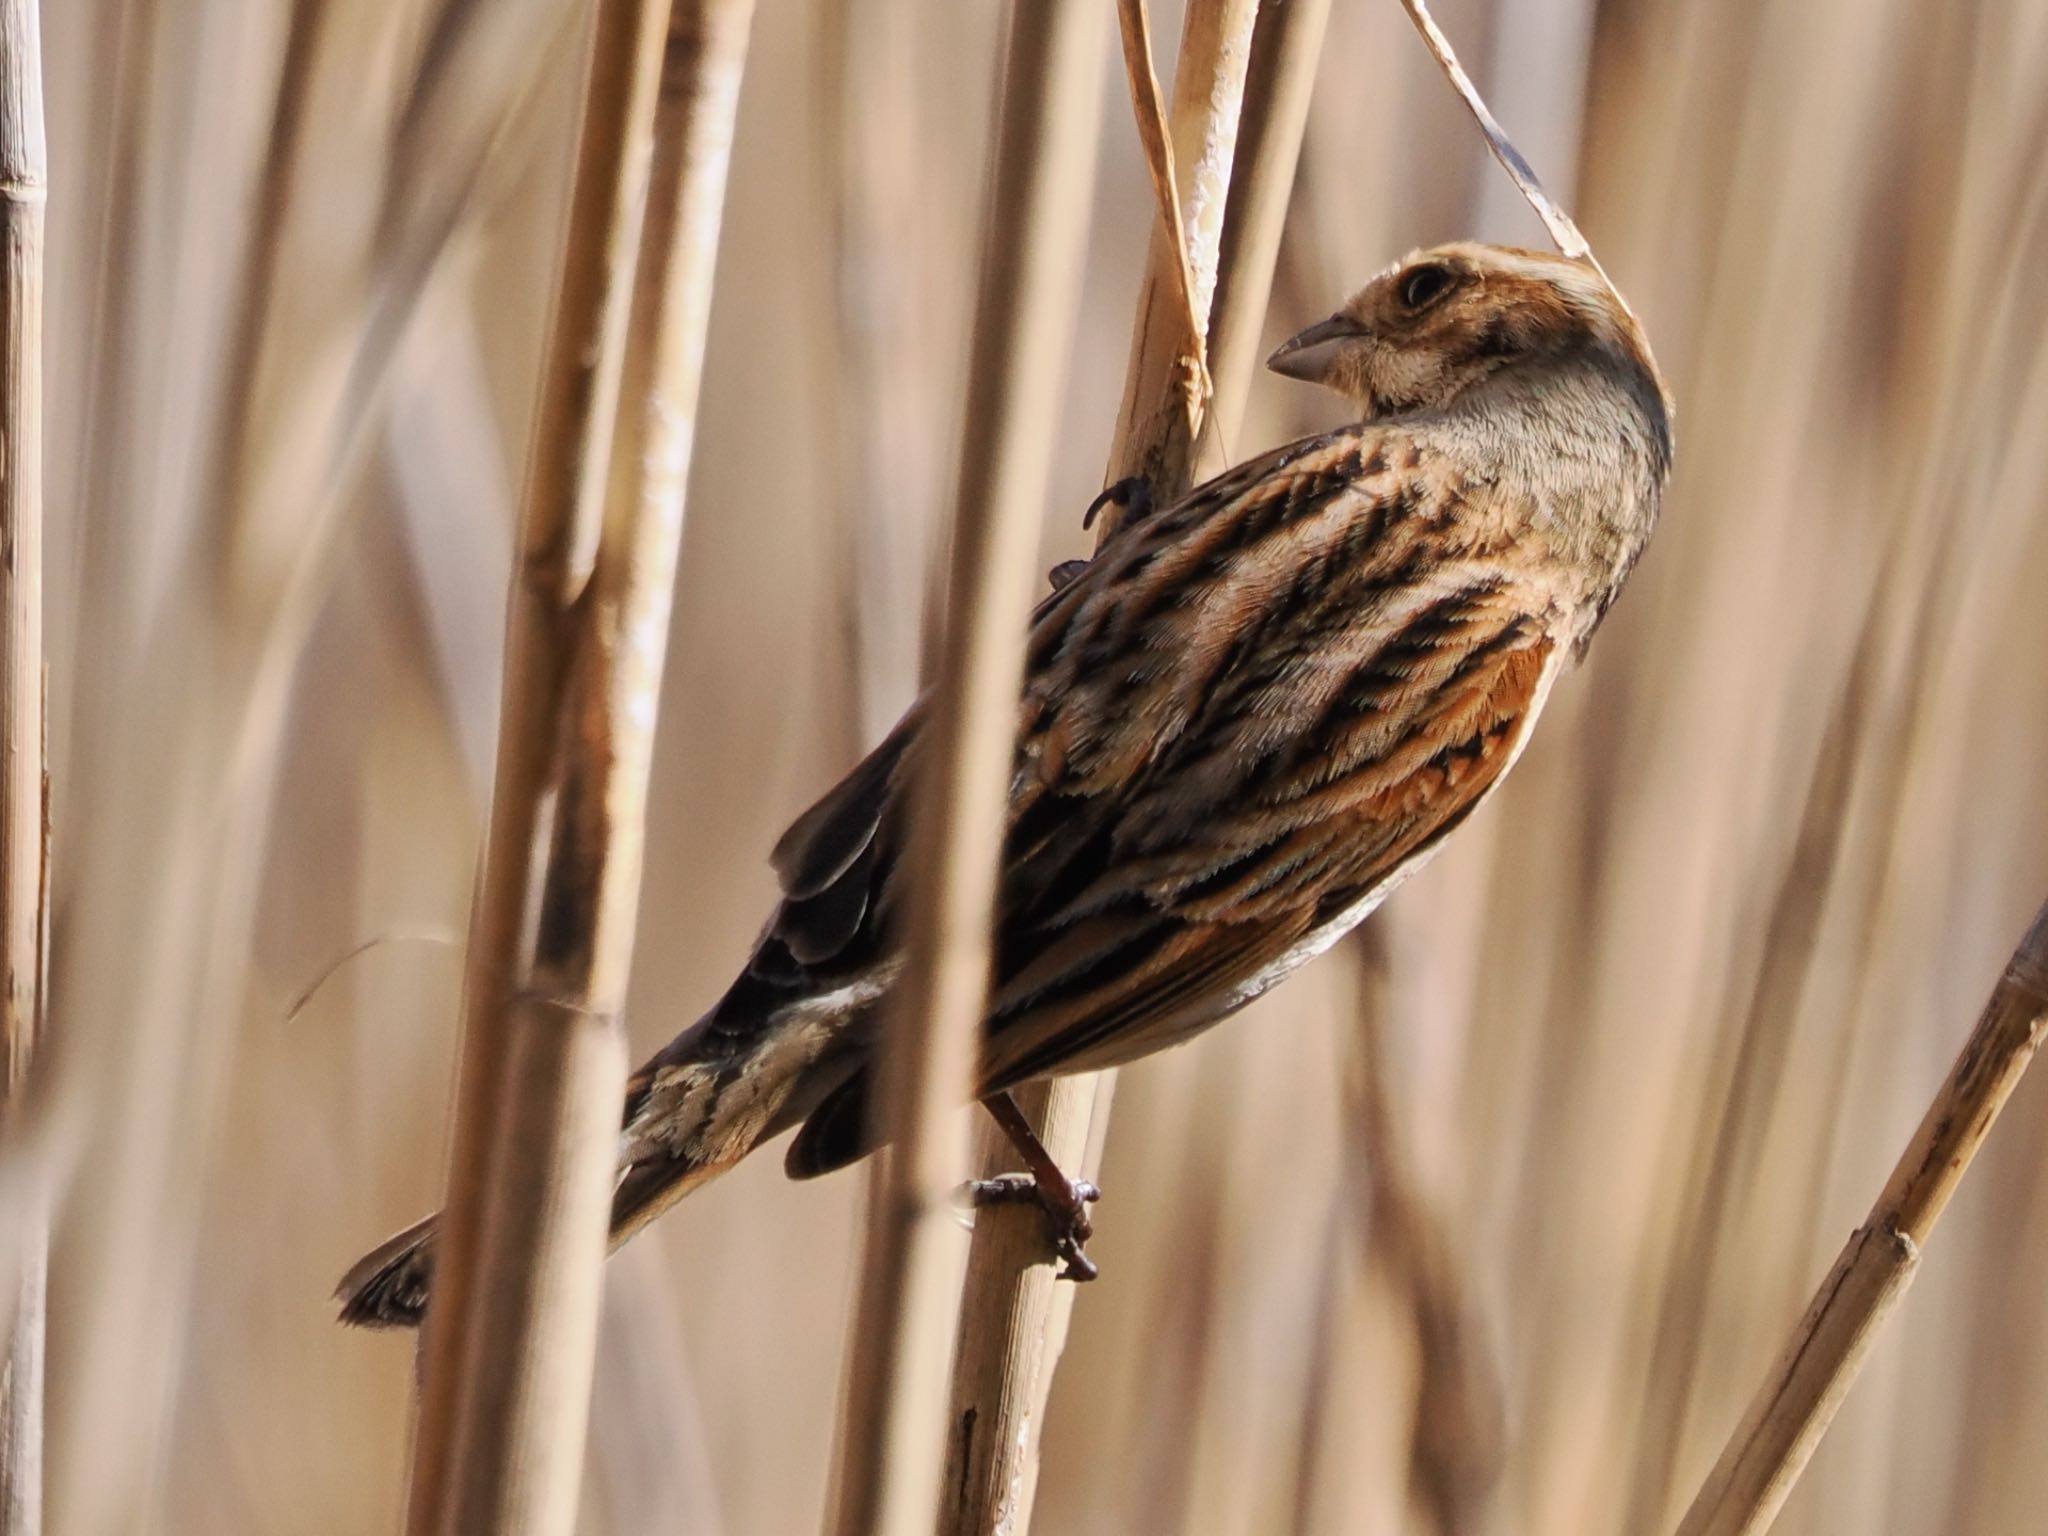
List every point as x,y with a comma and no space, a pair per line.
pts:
893,1432
511,1336
1034,243
1798,1400
24,822
1157,429
1014,1313
1287,44
1511,159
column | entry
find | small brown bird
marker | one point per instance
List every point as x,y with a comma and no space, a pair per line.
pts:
1244,722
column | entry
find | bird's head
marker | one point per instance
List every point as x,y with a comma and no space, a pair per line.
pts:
1436,324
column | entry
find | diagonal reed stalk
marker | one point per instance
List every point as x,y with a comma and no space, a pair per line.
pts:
1799,1398
24,842
893,1430
1155,136
512,1335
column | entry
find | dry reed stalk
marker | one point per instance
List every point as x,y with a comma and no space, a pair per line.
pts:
1162,416
893,1428
1287,44
1555,219
878,395
167,874
1013,1326
1750,1076
1014,1313
1460,1438
1798,1400
1155,134
24,842
1034,243
512,1335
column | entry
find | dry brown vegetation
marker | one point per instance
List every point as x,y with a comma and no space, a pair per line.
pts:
1489,1223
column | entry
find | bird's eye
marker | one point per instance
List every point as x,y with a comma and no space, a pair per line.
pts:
1423,286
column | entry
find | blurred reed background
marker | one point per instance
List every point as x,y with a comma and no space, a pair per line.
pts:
1487,1223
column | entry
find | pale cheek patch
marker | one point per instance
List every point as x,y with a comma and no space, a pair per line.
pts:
1403,378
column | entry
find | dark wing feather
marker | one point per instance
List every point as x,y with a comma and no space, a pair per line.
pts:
822,844
837,1132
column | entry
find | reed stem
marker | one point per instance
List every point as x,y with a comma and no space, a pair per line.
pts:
24,821
511,1336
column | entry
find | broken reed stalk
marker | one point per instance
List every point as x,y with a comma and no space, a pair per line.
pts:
24,841
1798,1400
894,1426
1155,134
1014,1314
1157,430
511,1336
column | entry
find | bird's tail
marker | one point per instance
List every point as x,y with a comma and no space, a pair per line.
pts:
389,1286
708,1099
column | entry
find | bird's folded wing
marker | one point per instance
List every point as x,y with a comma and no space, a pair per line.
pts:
836,858
1250,711
1252,730
1158,934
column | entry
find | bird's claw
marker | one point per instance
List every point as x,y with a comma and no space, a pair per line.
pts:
1132,494
1066,1214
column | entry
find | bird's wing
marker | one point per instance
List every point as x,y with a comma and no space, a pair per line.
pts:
1257,712
1251,711
836,861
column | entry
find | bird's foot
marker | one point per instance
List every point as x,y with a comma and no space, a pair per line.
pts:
1065,1203
1132,495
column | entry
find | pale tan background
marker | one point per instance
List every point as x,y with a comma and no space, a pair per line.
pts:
1652,1032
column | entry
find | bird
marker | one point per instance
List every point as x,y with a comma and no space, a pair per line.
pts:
1244,722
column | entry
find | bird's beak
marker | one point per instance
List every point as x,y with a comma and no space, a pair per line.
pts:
1308,356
